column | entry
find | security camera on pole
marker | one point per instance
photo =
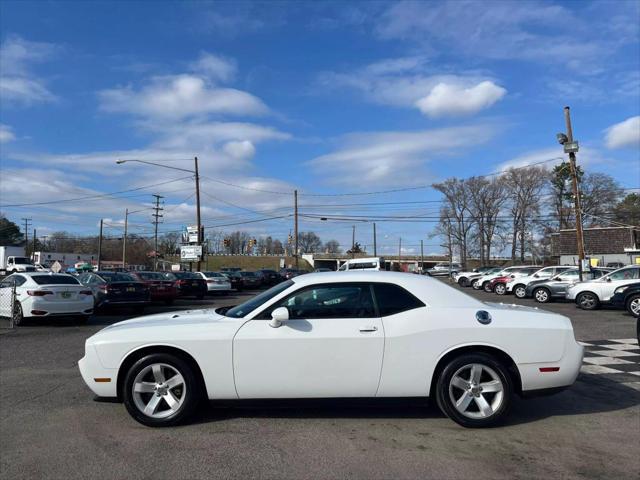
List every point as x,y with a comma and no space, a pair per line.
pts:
571,147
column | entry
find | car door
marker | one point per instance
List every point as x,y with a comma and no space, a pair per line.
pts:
616,279
559,284
331,346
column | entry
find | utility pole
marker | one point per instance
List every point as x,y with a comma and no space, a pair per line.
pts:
124,239
33,250
200,233
572,148
295,225
353,241
421,256
375,242
156,219
26,235
99,247
399,253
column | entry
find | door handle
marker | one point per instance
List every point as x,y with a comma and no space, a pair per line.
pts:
369,328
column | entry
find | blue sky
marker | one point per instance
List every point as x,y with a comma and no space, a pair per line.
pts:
329,98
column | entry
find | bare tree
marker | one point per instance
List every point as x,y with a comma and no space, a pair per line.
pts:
599,195
309,242
332,246
458,207
487,198
524,187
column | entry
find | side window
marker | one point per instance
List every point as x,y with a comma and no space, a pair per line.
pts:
339,300
625,274
20,280
568,275
392,299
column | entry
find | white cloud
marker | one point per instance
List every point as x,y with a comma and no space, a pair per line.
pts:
406,82
243,150
625,134
453,100
18,83
394,158
6,134
180,96
552,156
215,67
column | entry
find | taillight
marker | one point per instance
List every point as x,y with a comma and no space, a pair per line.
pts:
85,292
211,281
38,293
104,287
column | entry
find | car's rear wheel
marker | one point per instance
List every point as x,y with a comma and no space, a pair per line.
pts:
588,301
476,285
18,315
463,281
161,390
500,289
633,305
486,286
520,291
475,390
542,295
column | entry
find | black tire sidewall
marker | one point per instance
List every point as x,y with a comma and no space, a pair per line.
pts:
442,389
584,294
193,390
628,304
18,316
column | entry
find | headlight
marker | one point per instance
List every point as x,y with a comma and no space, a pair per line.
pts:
621,289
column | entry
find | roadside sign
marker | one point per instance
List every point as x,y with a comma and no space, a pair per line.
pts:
190,253
56,267
192,234
175,267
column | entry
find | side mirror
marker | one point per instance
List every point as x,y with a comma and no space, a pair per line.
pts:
535,275
608,279
279,316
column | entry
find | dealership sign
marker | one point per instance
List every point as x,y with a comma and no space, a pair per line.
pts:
190,253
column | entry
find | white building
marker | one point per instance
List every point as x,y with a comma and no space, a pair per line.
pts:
67,259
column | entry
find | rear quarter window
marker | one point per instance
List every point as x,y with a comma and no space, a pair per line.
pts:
392,299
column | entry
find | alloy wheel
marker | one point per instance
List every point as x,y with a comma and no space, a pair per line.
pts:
500,289
588,301
159,390
542,295
476,391
520,291
634,306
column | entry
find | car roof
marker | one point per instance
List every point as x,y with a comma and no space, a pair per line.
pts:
40,274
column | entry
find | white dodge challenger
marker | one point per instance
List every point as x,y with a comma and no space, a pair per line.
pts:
337,335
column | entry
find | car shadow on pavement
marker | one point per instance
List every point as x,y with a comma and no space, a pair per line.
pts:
588,395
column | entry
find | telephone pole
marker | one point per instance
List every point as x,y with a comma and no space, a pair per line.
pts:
399,253
353,241
421,256
156,219
295,226
199,226
124,239
99,247
571,148
33,250
375,242
26,235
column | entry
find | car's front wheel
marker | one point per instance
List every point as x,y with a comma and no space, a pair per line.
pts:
476,285
588,301
161,390
633,305
475,390
463,281
500,289
542,295
486,286
520,291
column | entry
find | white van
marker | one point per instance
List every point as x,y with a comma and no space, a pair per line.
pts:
373,263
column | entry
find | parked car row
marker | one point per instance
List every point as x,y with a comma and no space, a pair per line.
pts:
599,286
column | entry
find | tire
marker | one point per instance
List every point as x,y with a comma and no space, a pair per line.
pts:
463,281
454,386
633,305
18,315
169,301
185,394
542,295
475,285
588,301
520,291
486,286
500,289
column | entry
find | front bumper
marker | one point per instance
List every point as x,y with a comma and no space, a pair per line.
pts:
95,375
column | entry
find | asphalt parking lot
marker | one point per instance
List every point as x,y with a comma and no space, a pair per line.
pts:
51,426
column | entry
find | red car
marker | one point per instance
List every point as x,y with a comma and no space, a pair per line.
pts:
499,283
160,289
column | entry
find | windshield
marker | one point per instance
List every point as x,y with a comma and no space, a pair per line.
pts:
150,276
21,260
249,306
213,275
182,276
117,277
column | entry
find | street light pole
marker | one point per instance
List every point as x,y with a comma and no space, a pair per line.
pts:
200,236
124,239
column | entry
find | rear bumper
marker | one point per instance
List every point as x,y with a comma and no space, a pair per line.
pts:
122,303
568,369
212,287
84,307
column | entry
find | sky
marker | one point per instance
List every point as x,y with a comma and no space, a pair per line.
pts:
339,100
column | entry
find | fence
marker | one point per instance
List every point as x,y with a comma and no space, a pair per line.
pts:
8,310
